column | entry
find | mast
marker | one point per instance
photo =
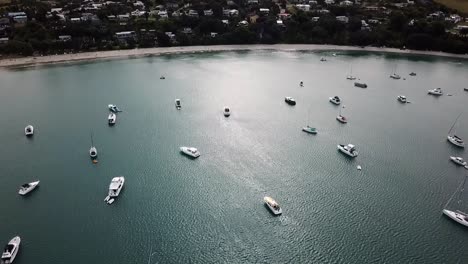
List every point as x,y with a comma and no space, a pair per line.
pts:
454,123
460,186
92,143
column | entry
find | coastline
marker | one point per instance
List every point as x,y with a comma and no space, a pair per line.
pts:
135,53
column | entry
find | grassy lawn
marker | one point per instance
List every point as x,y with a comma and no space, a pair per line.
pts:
460,5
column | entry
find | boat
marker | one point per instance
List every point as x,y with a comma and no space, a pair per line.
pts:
29,130
412,74
458,160
323,59
28,187
190,151
457,215
311,130
115,187
402,99
453,138
290,100
358,167
465,89
350,75
111,119
301,83
92,150
335,100
226,111
349,150
114,108
177,104
436,92
395,76
342,118
11,250
273,205
162,78
360,85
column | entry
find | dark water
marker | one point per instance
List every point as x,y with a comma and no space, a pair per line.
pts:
210,210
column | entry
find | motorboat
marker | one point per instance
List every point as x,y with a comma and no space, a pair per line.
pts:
112,118
349,150
301,83
465,89
323,59
458,160
412,74
335,100
177,104
310,130
115,187
226,111
342,119
162,78
29,130
358,167
454,139
114,108
190,151
402,99
436,92
350,77
360,85
395,76
457,216
290,100
11,250
28,187
273,205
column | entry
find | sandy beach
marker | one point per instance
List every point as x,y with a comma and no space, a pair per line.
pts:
134,53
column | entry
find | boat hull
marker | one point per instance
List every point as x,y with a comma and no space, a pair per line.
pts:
457,217
187,152
342,119
273,210
454,142
456,161
113,194
33,186
347,153
333,101
309,130
16,240
29,131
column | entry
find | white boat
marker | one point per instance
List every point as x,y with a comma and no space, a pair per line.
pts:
349,150
115,187
290,100
177,104
189,151
360,85
436,92
395,76
358,167
341,118
11,250
29,130
350,75
92,151
112,118
323,59
335,100
273,205
458,160
301,83
226,111
114,108
453,138
28,187
310,130
458,216
402,99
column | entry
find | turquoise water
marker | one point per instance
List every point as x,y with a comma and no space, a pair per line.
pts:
210,210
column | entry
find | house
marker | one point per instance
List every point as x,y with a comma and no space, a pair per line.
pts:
172,5
365,26
323,11
342,19
192,13
284,16
243,23
14,14
3,41
139,5
305,8
20,19
112,18
252,2
187,31
313,2
4,21
64,38
280,23
374,21
264,11
213,34
125,36
225,21
176,14
163,14
138,13
125,17
208,12
75,20
329,2
346,3
233,12
315,19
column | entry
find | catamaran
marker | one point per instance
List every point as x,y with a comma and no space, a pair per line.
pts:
453,138
457,215
10,251
115,187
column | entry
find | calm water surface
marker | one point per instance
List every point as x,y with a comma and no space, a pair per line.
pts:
210,210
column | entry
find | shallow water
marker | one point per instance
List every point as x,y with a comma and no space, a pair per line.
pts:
210,210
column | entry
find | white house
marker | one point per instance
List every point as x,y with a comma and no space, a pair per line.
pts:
208,12
342,19
305,8
192,13
64,38
264,11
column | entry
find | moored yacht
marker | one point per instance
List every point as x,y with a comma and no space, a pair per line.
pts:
458,216
115,187
350,77
335,100
342,119
310,130
190,151
177,104
395,76
29,130
412,74
454,139
11,250
290,100
436,91
112,118
93,152
458,160
272,205
323,59
402,99
226,111
349,150
360,85
114,108
28,187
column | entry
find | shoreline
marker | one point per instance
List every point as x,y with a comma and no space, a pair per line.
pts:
26,62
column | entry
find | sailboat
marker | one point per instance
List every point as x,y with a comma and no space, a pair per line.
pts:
309,129
394,75
341,118
92,151
454,139
350,76
457,215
